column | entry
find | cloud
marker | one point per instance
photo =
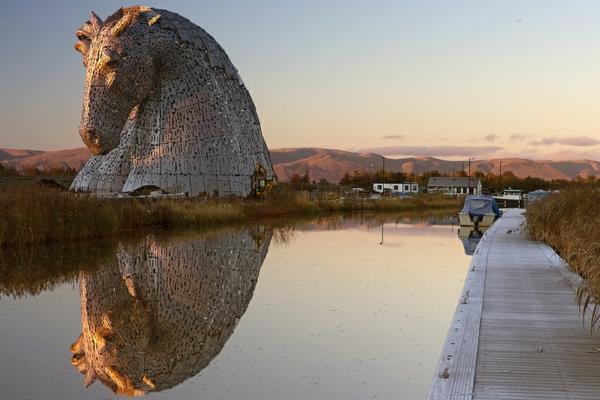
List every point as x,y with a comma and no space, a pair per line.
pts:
491,137
569,155
435,151
393,137
519,137
581,141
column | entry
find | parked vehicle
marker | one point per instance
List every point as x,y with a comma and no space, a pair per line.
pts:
479,211
402,195
537,195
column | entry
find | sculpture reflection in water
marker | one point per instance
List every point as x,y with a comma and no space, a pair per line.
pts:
165,309
470,237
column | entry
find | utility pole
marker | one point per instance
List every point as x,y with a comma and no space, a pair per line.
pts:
383,170
469,187
500,178
370,179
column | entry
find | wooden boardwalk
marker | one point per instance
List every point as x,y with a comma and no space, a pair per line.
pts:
517,332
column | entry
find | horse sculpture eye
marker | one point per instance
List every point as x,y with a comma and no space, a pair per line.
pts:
110,63
106,62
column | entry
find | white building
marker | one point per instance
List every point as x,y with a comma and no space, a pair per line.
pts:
454,185
395,187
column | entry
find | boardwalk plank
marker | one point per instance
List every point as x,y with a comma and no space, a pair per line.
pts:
531,342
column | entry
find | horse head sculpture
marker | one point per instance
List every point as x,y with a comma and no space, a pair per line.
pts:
164,106
122,66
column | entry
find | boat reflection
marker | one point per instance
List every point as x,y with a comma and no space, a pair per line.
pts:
165,308
470,237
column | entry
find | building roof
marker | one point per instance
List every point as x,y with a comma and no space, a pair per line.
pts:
457,181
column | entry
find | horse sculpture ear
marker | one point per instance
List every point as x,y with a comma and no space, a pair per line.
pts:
127,15
152,16
90,377
86,32
96,22
122,24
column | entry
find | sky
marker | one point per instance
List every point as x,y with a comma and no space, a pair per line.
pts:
450,79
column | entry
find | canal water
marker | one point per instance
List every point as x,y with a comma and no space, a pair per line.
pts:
326,309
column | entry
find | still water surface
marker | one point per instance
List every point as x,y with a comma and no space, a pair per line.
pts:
323,310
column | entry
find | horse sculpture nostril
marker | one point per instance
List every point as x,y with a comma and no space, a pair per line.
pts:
91,138
89,135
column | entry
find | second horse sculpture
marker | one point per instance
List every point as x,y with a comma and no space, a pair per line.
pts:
164,106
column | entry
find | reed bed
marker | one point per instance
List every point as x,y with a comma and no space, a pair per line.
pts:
570,223
32,269
31,214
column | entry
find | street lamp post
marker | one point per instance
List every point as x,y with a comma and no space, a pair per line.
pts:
469,188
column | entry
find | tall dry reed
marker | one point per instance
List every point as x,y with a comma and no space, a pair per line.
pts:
37,215
570,223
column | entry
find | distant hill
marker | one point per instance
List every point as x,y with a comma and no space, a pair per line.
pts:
44,160
15,154
331,164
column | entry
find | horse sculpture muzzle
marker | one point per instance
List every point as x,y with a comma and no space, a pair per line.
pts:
92,140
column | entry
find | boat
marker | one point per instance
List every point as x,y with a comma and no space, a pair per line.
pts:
479,211
510,198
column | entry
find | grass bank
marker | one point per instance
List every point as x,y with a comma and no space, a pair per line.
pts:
31,214
570,223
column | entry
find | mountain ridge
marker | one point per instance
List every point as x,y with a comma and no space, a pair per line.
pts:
331,164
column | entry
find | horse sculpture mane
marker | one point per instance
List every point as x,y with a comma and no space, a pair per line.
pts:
164,106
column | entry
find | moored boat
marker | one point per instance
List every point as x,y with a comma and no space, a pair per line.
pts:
510,198
479,211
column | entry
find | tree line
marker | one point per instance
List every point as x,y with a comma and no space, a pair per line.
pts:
66,172
489,181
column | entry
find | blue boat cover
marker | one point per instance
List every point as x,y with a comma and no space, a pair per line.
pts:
479,205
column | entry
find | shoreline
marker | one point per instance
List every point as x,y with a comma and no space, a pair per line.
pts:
31,215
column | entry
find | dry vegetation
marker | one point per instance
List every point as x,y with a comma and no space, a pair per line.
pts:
29,270
570,223
36,215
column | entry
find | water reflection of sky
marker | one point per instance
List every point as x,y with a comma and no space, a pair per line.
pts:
334,314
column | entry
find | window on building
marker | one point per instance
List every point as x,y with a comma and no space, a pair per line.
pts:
415,188
406,188
379,187
395,187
